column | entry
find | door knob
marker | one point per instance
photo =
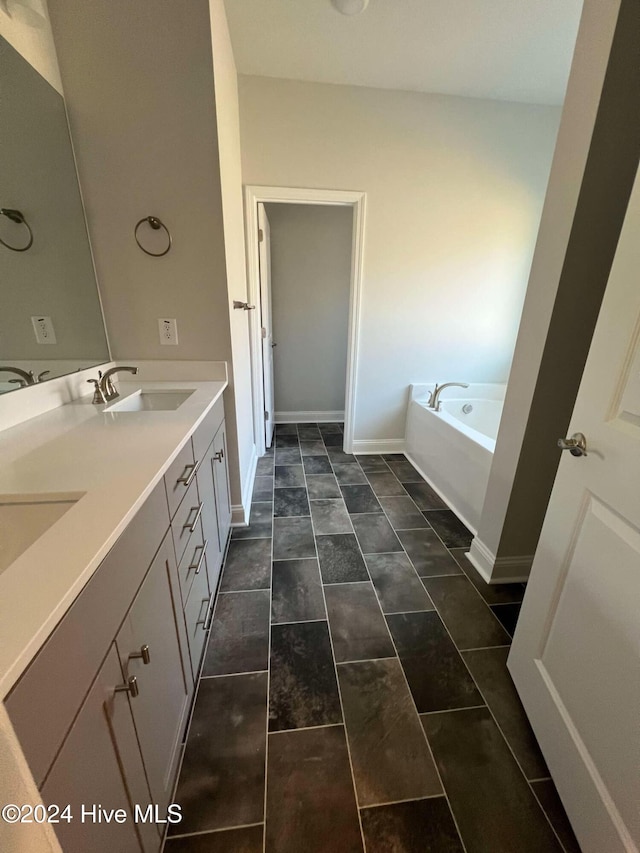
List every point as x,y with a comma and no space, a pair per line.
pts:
576,445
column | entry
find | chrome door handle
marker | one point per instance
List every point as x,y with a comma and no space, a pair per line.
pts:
244,305
576,445
130,687
143,654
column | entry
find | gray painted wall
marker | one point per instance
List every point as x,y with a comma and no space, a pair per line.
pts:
310,282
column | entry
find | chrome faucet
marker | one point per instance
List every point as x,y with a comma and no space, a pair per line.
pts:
434,399
26,376
104,389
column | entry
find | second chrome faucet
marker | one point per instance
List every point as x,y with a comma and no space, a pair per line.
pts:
434,399
104,389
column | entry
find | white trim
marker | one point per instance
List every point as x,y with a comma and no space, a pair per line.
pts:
239,515
240,512
439,492
308,417
497,570
266,195
378,445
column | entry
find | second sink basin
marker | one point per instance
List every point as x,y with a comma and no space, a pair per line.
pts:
151,401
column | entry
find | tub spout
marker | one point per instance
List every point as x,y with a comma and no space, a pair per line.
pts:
434,399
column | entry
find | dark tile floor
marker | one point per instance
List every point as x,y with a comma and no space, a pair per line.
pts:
354,694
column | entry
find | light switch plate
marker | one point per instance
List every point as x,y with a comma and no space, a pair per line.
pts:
168,330
44,331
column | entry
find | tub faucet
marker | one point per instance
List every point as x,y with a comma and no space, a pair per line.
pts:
104,387
434,399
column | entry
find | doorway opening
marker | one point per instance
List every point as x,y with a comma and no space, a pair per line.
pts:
312,312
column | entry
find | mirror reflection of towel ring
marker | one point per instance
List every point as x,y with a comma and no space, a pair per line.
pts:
18,218
156,224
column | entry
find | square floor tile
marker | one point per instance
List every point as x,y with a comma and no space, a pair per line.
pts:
498,593
222,777
296,591
260,523
372,462
337,454
286,441
340,559
403,513
308,432
358,629
330,429
349,473
404,471
330,516
313,448
322,486
398,586
489,670
293,539
239,640
424,496
288,456
290,502
286,429
288,476
435,671
317,465
449,528
248,565
247,839
375,534
333,439
391,759
311,806
360,499
413,827
385,484
265,466
485,786
469,620
428,554
262,489
303,691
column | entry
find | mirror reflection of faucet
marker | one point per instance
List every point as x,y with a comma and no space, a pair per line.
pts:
103,388
25,377
434,400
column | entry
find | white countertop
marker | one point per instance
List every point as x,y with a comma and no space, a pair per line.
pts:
114,459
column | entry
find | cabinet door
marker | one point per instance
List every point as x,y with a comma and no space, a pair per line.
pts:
163,687
100,763
221,481
209,517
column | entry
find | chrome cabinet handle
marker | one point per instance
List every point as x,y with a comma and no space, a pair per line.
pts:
131,687
187,478
576,445
143,654
208,619
197,566
191,525
219,456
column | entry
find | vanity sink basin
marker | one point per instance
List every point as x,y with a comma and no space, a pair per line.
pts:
150,401
24,518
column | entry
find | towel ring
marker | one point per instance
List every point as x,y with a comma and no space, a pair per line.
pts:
156,224
16,216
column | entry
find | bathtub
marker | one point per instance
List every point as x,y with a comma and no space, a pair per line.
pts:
453,448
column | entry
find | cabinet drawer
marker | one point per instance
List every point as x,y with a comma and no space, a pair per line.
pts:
186,520
203,436
179,477
196,615
193,561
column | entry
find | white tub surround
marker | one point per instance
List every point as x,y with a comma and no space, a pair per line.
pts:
453,448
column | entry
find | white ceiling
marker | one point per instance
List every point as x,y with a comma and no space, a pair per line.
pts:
516,50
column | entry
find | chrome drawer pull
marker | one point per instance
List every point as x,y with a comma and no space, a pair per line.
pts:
130,687
191,525
188,474
197,566
208,619
144,654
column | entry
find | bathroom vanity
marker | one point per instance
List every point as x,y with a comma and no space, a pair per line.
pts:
104,616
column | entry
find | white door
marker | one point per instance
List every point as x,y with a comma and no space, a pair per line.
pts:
576,652
266,321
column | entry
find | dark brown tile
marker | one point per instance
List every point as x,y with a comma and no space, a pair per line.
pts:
378,710
222,778
499,593
311,805
494,806
375,534
262,489
360,499
317,465
403,513
385,484
471,623
398,587
260,523
358,629
322,486
289,503
507,615
428,554
303,691
296,591
550,801
489,670
435,671
349,473
293,539
288,476
239,640
424,496
330,516
247,566
340,559
419,826
248,839
449,528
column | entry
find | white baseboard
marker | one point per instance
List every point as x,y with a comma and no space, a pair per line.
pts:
308,417
496,570
441,494
375,445
240,512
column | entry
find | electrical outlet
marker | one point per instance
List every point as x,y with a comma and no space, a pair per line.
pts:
44,331
168,330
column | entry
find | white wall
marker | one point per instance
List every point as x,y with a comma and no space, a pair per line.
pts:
35,43
454,193
310,282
